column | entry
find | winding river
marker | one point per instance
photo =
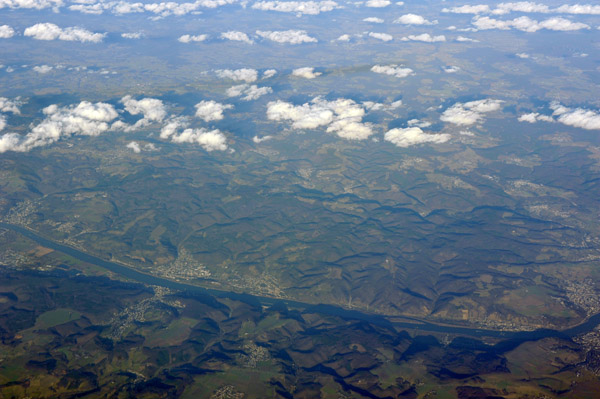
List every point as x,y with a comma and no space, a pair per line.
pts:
509,340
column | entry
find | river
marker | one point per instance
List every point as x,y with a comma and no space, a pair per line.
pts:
509,339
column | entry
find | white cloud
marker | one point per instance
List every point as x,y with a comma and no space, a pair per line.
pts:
527,24
525,7
576,117
451,69
521,6
42,69
246,74
381,36
132,35
522,55
210,140
48,31
424,37
373,20
160,10
151,109
211,110
36,4
393,70
306,72
134,146
287,36
249,92
269,73
191,38
10,142
298,7
374,106
418,123
342,116
172,125
236,36
7,105
534,117
466,39
6,32
470,112
87,119
95,9
413,136
579,9
378,3
469,9
257,139
343,38
413,19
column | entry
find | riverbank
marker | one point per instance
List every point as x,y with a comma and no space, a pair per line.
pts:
325,309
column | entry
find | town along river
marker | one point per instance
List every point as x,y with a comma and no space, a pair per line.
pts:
509,340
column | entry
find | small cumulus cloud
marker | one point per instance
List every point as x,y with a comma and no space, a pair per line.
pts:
306,72
137,148
6,32
192,38
375,106
343,38
248,75
49,31
85,118
210,110
412,136
43,69
534,117
248,92
413,19
466,39
342,116
576,117
524,7
287,36
159,10
418,123
210,140
7,105
451,69
236,36
298,7
470,112
269,73
134,146
424,37
468,9
31,4
373,20
152,110
579,9
398,71
132,35
257,139
381,36
378,3
526,24
521,6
